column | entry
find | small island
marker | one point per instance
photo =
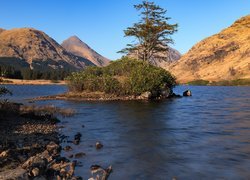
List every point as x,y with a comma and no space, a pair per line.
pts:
124,79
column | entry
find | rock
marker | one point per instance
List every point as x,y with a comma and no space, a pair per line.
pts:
53,148
165,93
67,148
72,169
35,145
39,178
45,154
71,156
77,138
79,155
173,95
146,95
63,172
107,172
4,154
77,178
61,159
100,172
76,141
78,135
98,145
187,93
18,173
35,172
95,168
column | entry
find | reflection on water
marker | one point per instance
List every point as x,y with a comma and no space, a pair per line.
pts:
202,137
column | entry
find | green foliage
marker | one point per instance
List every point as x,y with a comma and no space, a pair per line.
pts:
152,32
8,71
199,82
122,77
236,82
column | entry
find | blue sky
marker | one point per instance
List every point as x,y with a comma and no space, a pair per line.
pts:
100,23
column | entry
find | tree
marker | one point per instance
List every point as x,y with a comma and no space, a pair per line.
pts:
152,32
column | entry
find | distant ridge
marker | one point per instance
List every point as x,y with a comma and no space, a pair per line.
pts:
79,48
38,50
164,58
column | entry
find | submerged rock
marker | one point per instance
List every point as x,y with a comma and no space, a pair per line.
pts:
79,155
67,148
173,95
99,172
98,145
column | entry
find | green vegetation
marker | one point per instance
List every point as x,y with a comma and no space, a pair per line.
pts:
122,77
14,68
29,74
236,82
199,82
152,32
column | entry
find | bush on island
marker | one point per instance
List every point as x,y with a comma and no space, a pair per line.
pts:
123,77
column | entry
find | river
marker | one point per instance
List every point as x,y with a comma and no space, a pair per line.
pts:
206,136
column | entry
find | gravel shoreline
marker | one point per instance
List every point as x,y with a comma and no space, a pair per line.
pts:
30,145
29,148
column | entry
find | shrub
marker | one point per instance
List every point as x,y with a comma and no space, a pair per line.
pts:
199,82
122,77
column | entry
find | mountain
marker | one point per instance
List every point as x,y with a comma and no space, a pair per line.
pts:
79,48
1,30
165,58
223,56
38,50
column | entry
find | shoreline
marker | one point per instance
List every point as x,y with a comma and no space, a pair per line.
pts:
98,96
237,82
30,145
31,82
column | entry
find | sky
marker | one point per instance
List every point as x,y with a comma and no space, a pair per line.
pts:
100,23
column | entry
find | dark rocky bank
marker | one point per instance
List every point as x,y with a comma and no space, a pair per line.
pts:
30,147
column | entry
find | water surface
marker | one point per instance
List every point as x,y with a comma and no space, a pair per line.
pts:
206,136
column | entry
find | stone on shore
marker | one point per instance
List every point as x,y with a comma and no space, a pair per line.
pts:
187,93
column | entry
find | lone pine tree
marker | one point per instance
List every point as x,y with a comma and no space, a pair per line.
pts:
152,32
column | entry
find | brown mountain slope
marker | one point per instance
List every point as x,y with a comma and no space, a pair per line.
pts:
223,56
79,48
1,30
38,49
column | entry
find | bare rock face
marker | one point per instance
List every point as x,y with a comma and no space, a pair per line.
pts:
79,48
37,48
223,56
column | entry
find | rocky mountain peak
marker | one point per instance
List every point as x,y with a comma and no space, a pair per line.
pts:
34,45
77,47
